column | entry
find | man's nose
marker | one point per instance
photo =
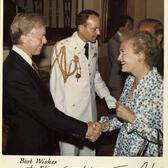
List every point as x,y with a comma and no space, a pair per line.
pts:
98,32
119,57
44,40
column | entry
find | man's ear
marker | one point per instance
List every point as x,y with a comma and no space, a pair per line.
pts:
81,28
159,38
23,38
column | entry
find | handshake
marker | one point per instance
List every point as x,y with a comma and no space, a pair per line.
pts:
95,129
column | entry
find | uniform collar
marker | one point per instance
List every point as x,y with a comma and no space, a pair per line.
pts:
79,41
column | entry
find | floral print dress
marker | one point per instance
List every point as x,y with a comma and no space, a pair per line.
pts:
147,104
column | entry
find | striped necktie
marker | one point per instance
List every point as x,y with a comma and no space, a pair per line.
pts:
35,67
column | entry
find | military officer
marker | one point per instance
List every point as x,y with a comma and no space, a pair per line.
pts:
75,77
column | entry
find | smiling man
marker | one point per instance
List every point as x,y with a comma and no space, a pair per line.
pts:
28,107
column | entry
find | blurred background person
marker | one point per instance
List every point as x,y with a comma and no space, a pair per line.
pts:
117,78
156,28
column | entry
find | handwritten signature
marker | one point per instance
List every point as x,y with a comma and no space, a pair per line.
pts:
143,165
146,165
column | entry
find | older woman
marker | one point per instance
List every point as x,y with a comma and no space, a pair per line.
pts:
140,108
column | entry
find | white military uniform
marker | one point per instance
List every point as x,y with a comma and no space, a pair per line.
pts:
76,96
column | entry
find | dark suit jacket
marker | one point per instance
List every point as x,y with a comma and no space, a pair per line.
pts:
116,78
30,112
160,63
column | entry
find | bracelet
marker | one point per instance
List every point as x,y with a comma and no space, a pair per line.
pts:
104,121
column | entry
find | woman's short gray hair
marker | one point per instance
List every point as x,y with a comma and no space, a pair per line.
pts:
146,43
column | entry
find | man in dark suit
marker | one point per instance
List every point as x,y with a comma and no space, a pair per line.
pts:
28,107
117,78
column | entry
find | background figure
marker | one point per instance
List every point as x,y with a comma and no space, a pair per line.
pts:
75,72
140,108
28,107
117,78
156,28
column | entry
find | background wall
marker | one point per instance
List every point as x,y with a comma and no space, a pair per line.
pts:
92,4
155,9
138,9
51,9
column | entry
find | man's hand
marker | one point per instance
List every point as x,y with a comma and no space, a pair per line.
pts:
94,131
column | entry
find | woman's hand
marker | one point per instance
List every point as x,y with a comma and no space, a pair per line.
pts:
124,113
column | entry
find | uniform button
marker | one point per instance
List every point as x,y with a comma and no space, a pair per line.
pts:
88,64
73,105
89,74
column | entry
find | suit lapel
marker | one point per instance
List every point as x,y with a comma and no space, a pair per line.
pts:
41,87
